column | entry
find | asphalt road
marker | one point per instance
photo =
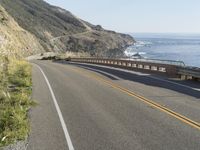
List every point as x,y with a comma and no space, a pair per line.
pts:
109,109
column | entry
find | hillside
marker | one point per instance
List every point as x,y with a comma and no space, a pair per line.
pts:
59,30
14,40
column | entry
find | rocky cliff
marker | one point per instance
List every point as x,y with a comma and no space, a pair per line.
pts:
14,40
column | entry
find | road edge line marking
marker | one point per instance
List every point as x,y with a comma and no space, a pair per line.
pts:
145,100
66,133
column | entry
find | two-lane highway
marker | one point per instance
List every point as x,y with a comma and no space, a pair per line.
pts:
89,107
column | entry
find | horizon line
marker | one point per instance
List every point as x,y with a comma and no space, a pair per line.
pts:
197,33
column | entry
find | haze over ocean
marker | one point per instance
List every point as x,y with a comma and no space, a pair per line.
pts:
183,47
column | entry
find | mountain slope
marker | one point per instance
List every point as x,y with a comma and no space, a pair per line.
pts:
59,30
15,41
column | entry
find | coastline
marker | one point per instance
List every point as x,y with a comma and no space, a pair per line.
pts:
167,47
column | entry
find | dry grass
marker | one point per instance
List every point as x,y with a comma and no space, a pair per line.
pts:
15,100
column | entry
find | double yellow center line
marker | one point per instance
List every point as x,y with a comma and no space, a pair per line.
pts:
141,98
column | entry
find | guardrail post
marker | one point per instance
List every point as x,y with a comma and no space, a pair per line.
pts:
135,65
125,64
154,68
146,67
140,66
183,77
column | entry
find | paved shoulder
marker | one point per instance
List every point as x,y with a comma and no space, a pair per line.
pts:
46,131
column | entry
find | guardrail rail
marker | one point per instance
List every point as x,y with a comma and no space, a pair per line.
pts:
189,73
140,65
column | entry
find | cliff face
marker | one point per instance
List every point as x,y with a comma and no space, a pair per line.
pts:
59,30
14,40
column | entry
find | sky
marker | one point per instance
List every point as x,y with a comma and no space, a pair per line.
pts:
132,16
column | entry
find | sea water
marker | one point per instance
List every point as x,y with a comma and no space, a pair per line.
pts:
179,47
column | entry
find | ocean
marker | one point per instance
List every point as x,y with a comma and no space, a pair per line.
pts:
179,47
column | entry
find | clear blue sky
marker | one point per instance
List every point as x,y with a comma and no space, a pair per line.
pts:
138,15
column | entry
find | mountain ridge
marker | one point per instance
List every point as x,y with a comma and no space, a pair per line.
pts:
58,30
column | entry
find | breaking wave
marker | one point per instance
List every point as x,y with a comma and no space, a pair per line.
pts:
142,44
132,50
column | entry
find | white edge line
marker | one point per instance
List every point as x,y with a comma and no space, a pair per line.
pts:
68,139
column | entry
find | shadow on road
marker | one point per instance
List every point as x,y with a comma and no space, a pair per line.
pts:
144,79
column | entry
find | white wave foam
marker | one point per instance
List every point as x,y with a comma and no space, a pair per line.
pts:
130,52
142,53
142,43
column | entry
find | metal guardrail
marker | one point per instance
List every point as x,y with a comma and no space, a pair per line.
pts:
160,61
168,67
134,64
192,72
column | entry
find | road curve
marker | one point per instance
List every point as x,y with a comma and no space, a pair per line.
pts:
103,109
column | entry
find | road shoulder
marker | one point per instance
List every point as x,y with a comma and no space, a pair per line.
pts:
46,130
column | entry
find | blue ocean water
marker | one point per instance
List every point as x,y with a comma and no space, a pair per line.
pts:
180,47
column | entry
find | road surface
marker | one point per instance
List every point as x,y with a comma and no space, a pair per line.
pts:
90,107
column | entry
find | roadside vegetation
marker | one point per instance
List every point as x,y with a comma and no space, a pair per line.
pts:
15,100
